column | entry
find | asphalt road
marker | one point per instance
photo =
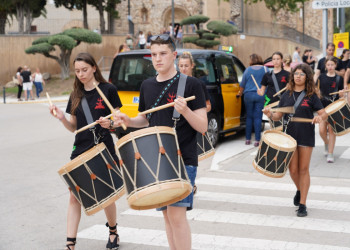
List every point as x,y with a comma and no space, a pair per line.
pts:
235,207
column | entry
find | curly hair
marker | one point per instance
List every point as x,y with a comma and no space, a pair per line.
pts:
310,86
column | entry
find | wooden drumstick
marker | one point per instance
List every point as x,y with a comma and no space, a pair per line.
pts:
165,106
48,98
288,110
271,105
107,102
91,125
334,93
279,92
257,86
299,119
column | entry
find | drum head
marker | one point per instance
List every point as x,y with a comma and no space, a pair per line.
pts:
335,106
279,140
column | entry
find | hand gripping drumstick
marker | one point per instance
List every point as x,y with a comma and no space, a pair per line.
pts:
279,92
107,102
91,125
257,86
48,98
165,106
334,93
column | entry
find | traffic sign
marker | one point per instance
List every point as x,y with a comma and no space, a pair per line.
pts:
328,4
341,42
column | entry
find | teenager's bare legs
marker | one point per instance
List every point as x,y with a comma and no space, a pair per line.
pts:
73,217
323,132
111,215
299,171
177,228
331,139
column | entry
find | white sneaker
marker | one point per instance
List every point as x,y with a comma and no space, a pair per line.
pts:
326,150
330,158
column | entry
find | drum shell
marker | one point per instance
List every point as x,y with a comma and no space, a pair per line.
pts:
277,125
339,119
204,147
89,173
273,159
139,178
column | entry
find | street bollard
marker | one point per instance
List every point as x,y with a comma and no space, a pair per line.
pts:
4,94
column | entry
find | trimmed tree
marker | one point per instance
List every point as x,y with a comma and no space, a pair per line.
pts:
66,42
206,38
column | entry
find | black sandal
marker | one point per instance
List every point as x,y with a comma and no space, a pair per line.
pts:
73,240
112,245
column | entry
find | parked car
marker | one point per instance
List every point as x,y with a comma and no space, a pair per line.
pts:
221,72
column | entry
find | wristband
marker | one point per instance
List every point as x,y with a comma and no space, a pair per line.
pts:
111,123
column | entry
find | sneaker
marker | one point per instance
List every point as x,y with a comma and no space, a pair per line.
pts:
301,212
296,199
326,150
247,142
256,144
330,158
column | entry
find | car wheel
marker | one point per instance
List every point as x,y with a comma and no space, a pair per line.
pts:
213,129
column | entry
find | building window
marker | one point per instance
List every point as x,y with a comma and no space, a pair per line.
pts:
144,15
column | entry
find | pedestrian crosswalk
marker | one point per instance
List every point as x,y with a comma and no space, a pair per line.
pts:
247,211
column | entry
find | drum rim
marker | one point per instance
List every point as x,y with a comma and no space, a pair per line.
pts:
73,164
334,103
269,173
144,132
275,146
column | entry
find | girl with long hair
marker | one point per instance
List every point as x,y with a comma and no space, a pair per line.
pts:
301,83
86,73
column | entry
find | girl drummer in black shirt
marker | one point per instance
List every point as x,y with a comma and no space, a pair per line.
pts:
328,83
301,79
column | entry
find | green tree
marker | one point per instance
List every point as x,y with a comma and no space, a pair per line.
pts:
105,6
276,5
75,4
206,38
7,11
66,42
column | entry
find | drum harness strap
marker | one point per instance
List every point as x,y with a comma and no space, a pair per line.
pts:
180,92
296,105
275,83
89,119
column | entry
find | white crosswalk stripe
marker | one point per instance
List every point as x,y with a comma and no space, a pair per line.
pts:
221,214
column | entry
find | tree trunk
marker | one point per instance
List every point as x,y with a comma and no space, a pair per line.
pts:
102,19
86,26
110,23
64,63
20,17
3,19
29,19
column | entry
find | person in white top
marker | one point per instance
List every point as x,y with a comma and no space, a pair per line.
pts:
142,40
296,55
38,81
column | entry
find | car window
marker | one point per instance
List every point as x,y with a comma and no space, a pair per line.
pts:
204,70
226,69
129,71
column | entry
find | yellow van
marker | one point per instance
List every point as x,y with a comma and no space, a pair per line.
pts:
221,72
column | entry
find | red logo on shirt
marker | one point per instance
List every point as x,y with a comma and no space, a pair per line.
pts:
304,103
333,84
283,79
99,104
171,97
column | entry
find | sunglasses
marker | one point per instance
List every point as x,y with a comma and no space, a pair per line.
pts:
299,74
165,38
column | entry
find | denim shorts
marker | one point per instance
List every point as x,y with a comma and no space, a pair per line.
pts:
188,201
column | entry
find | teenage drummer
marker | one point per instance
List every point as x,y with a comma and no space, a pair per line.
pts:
302,94
275,80
86,74
193,118
327,83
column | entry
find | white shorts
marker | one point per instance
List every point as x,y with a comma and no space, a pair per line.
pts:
27,86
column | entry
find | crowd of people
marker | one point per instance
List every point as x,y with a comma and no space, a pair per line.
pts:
25,80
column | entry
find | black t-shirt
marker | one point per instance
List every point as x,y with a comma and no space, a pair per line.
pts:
344,64
85,139
303,133
282,80
329,84
150,90
312,64
26,75
322,66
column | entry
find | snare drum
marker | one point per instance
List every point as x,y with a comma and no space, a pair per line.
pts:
339,116
276,125
275,153
204,147
94,179
153,169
